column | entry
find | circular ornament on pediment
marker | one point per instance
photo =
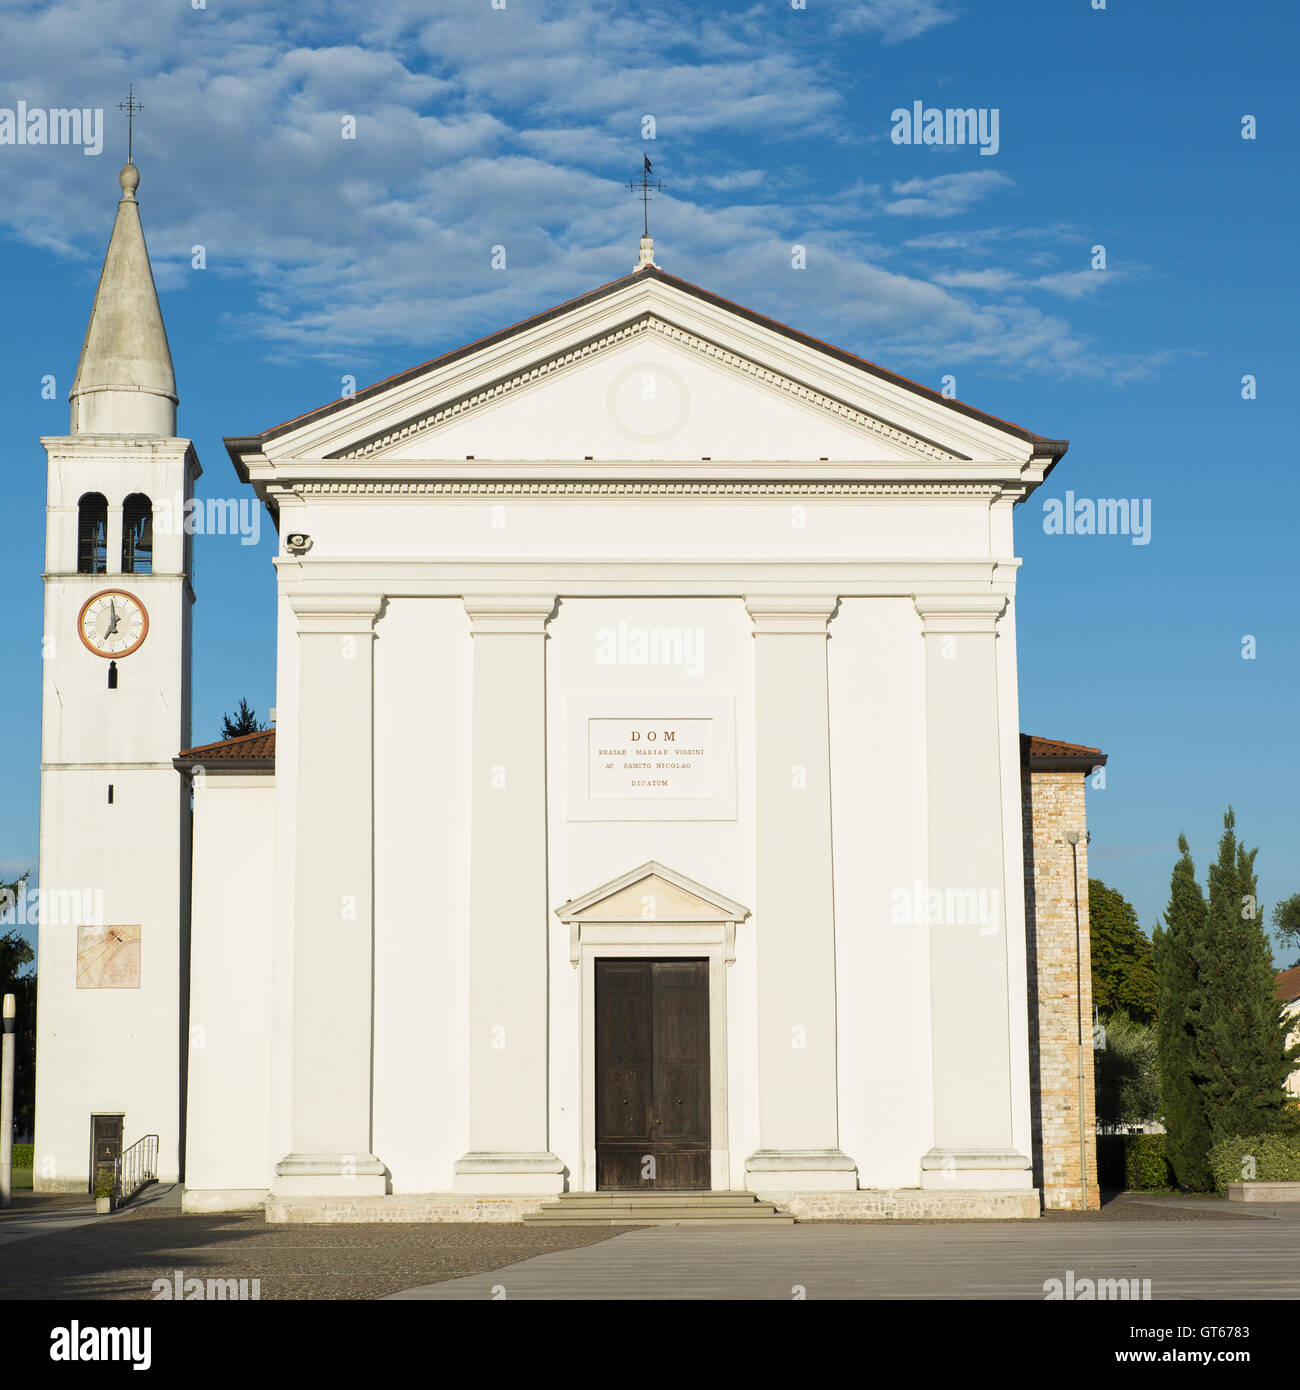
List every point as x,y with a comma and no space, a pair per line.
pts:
648,402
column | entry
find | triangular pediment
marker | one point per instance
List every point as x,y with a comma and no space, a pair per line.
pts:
646,369
647,388
652,892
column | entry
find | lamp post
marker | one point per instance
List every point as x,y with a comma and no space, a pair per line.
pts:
1072,838
7,1103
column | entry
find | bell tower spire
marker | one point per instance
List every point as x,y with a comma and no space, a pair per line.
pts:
125,383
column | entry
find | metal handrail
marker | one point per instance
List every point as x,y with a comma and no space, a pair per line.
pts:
134,1168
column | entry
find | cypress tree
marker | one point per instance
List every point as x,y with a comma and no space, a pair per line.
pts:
1177,948
1241,1054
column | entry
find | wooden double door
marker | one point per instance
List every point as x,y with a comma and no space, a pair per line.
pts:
652,1074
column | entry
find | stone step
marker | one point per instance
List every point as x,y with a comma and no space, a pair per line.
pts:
686,1213
657,1209
774,1219
598,1199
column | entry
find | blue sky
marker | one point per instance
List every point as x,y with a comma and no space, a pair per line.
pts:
478,127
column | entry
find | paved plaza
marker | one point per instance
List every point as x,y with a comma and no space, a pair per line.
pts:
1189,1248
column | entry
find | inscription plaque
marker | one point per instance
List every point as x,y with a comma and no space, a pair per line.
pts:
651,759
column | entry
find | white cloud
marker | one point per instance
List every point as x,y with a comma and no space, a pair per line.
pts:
979,279
945,195
893,20
1069,284
982,240
1078,284
479,127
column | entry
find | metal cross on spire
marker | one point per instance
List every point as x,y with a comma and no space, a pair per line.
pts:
644,187
130,106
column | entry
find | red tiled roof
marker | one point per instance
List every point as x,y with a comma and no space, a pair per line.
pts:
235,444
1054,748
258,747
1288,985
1050,754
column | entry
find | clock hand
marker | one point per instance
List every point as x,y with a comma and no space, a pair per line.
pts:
112,612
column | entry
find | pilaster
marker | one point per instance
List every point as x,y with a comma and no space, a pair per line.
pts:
966,900
333,950
509,1146
795,916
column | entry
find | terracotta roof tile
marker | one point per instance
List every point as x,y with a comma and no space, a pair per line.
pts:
1054,748
1288,984
259,747
1050,754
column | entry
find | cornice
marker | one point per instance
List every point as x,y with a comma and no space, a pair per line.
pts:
462,487
164,448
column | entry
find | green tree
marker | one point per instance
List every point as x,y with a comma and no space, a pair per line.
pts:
1178,999
15,950
1128,1072
1123,966
1286,918
1241,1055
18,979
244,721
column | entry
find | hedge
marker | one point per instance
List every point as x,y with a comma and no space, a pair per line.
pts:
24,1155
1133,1163
1276,1159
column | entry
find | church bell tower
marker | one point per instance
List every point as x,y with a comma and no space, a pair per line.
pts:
115,710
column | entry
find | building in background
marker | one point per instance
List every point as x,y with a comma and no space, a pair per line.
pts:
1288,995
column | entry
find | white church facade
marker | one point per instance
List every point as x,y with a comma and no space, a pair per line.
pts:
646,807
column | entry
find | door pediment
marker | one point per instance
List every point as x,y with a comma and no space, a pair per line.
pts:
650,904
651,892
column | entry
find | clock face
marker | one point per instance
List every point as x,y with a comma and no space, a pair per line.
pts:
113,623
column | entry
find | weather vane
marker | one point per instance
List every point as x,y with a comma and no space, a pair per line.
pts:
130,106
644,187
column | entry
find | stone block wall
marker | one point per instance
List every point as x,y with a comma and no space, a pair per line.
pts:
1053,803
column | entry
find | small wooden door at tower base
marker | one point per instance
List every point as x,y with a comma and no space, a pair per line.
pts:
652,1074
105,1143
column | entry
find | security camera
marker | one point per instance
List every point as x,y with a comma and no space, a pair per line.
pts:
297,542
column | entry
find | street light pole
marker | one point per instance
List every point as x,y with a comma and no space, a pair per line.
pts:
1072,836
7,1103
